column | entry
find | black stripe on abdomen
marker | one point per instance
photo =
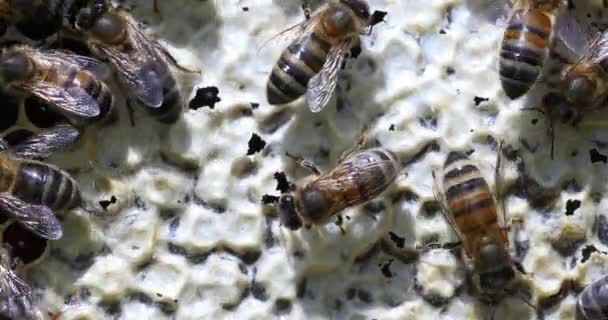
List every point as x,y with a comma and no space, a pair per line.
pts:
296,66
465,187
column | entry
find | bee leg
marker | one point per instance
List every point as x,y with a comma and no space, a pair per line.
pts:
156,8
304,163
438,245
519,267
339,222
131,113
306,9
171,59
356,148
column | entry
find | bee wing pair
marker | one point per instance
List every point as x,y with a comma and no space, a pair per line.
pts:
42,145
344,184
141,71
321,86
15,294
39,219
72,101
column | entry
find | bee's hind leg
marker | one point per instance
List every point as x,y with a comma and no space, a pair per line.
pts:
360,143
304,163
339,222
306,9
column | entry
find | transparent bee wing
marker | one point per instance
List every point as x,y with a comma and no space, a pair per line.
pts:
292,34
598,49
15,295
575,36
96,67
37,218
321,86
142,80
439,194
42,145
72,101
500,196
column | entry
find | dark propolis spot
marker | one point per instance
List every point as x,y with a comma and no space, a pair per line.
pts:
377,17
256,144
205,97
596,156
479,100
106,203
386,269
399,241
587,251
283,184
571,206
268,199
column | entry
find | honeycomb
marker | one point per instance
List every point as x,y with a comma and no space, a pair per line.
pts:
184,234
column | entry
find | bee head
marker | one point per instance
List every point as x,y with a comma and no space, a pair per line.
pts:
287,212
359,7
88,17
580,89
494,267
14,66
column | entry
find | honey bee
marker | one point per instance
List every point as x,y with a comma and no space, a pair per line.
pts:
16,299
525,44
140,63
65,81
470,207
31,190
592,302
311,63
586,86
358,178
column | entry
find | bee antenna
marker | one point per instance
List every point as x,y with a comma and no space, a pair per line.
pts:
552,134
533,109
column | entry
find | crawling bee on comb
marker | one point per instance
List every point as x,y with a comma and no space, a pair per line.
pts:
469,206
66,82
359,177
30,190
140,63
311,63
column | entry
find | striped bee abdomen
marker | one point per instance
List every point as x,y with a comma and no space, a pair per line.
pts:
524,50
100,92
40,183
297,64
373,170
592,302
469,197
